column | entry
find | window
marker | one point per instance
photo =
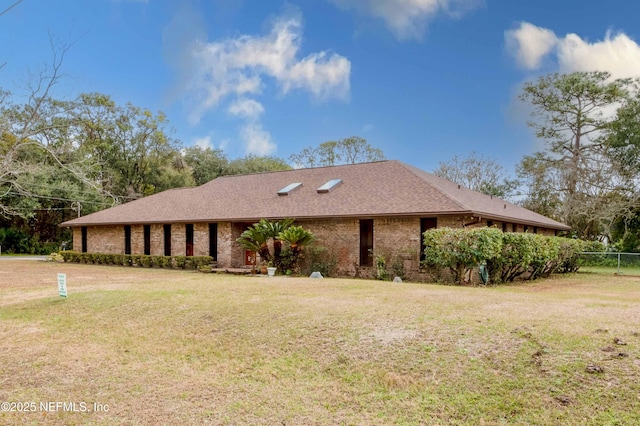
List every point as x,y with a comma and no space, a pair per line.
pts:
489,223
425,224
366,242
526,228
167,239
83,230
189,238
289,188
329,186
127,239
213,240
147,239
535,229
504,226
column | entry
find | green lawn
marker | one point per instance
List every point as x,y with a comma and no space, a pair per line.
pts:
175,347
611,270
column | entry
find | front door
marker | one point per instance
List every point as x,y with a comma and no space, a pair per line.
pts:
249,257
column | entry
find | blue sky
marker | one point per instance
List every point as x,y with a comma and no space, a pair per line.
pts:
423,80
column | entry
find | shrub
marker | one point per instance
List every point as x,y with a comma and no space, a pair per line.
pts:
397,268
67,255
157,261
545,256
319,259
380,268
507,255
180,261
514,259
202,261
459,250
569,255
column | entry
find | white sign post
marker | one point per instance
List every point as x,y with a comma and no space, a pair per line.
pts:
62,285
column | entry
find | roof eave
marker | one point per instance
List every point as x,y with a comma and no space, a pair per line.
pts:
558,226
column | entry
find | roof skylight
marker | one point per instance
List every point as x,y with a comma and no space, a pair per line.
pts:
329,186
290,188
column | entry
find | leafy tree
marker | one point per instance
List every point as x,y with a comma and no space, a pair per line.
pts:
623,134
540,184
350,150
479,174
256,164
571,112
39,168
131,145
206,164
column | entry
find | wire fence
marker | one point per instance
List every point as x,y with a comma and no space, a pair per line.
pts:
619,263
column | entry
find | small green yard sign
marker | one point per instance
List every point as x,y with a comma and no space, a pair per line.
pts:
62,285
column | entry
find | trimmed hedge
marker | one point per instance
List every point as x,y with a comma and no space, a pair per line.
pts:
460,250
141,260
507,256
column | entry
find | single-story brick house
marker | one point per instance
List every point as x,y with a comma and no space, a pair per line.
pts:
352,209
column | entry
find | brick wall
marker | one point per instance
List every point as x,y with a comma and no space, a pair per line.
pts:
77,239
225,244
201,239
341,237
101,239
397,239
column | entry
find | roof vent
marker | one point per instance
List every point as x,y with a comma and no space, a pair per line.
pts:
289,188
329,186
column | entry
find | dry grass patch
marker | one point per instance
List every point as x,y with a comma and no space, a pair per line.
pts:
172,347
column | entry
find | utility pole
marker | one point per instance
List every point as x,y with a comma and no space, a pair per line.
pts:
76,206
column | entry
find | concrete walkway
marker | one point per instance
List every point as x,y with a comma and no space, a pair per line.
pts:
25,257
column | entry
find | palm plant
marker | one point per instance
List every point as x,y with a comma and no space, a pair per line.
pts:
298,238
273,230
257,236
255,239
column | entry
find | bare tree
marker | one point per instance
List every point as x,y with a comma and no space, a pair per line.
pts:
478,173
25,128
349,150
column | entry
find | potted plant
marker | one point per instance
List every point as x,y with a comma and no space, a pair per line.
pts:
271,270
263,268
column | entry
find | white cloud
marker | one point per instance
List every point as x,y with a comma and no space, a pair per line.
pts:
407,19
529,44
237,70
616,53
257,140
238,66
247,108
203,142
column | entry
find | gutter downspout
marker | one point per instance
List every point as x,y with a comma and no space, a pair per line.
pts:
473,222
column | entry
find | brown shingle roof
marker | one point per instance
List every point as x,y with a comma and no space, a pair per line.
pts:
369,189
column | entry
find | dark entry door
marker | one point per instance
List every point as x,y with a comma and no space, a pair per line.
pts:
189,238
366,242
